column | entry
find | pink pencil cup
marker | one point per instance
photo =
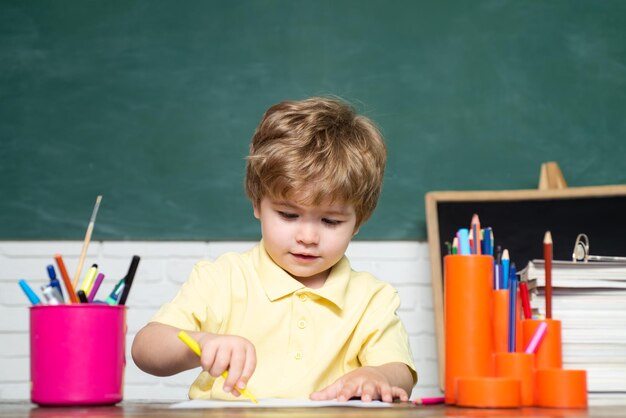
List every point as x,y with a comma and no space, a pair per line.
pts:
77,354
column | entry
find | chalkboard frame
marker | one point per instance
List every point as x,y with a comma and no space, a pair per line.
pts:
435,199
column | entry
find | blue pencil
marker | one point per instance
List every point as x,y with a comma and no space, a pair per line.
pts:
512,307
505,269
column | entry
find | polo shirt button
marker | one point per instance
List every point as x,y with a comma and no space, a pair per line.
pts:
302,324
303,297
298,355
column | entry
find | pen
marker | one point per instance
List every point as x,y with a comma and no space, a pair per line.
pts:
30,294
195,347
95,287
54,282
66,278
50,294
128,280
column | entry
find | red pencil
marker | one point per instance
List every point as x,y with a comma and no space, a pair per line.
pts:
523,291
547,256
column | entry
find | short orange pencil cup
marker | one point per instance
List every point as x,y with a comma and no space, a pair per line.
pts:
549,352
468,327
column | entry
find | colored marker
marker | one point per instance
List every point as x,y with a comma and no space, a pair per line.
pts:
115,293
30,294
90,277
195,347
128,280
464,246
82,297
95,287
536,339
66,279
455,246
54,282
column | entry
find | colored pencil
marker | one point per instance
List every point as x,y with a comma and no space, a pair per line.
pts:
523,290
547,257
476,243
66,279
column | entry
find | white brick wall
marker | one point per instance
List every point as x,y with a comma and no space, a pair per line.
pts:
164,266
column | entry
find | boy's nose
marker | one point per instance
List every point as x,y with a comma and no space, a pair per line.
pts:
307,234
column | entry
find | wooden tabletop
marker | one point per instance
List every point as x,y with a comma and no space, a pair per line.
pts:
159,409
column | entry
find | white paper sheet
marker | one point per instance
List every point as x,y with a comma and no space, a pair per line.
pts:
276,403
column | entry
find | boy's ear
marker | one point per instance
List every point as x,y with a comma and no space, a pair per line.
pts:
356,231
257,210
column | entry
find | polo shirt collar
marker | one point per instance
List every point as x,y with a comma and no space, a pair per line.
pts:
277,283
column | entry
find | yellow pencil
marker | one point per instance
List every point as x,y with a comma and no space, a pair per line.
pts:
195,347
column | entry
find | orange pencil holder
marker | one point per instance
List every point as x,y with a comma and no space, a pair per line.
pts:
468,308
548,354
561,388
500,320
518,366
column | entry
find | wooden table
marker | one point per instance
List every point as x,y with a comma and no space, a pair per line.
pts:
160,409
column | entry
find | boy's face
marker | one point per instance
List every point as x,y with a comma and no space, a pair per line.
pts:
306,241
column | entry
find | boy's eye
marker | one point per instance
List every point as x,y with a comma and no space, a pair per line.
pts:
287,215
332,222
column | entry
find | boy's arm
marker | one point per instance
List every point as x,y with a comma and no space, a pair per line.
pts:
158,350
386,382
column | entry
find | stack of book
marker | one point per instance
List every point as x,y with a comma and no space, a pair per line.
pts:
590,301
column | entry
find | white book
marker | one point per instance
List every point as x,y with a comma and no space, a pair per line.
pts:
598,275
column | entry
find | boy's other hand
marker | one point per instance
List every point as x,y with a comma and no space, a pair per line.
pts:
230,353
367,383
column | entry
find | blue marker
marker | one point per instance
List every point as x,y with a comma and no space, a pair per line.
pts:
464,246
30,294
54,282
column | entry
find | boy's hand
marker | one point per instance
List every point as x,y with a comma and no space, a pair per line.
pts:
230,353
367,383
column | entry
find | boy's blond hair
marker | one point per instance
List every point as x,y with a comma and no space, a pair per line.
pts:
321,147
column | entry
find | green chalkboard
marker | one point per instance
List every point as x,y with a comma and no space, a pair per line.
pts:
152,104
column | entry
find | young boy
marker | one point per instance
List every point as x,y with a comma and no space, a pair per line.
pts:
289,318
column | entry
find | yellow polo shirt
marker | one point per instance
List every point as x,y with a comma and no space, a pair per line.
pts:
305,339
